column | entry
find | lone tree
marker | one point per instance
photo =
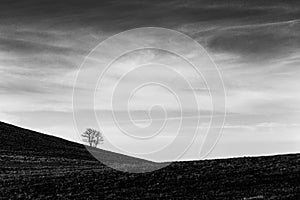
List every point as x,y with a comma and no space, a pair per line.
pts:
92,137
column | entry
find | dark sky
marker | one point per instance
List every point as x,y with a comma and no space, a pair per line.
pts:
255,44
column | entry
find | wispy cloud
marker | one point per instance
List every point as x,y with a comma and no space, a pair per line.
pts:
255,45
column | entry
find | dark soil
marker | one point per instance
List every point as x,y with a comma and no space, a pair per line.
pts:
38,166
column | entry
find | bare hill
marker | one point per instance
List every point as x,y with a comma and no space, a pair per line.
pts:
38,166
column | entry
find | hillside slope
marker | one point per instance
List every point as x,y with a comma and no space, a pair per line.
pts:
16,140
38,166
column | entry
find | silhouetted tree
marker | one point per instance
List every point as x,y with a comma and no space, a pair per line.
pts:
92,137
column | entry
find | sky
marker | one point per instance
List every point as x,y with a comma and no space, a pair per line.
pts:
255,45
